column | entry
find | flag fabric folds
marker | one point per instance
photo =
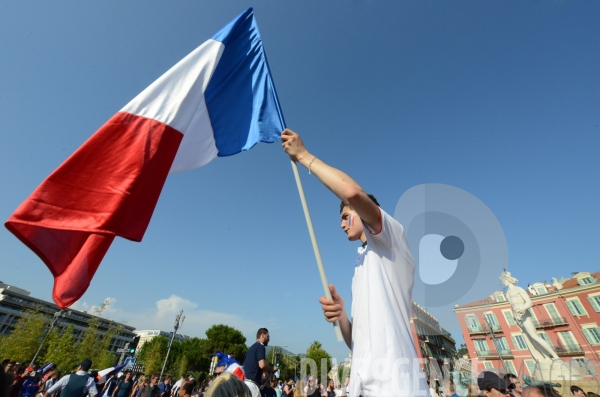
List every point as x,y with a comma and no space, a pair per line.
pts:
217,101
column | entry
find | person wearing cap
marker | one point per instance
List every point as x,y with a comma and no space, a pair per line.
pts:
77,384
492,385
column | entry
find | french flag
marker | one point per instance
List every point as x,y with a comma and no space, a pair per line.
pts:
217,101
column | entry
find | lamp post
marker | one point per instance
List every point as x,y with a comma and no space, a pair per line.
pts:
56,316
178,323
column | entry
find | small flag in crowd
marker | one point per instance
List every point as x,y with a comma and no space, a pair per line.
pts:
217,101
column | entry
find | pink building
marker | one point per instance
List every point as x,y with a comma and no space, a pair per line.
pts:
566,313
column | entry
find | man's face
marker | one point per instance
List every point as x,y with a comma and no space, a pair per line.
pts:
127,376
496,393
351,224
519,388
578,393
181,391
154,380
265,339
219,370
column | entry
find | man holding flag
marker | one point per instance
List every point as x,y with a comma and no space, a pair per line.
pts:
384,356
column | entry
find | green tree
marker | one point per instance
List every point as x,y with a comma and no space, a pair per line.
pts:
290,364
316,353
463,350
60,349
153,354
95,344
22,344
227,339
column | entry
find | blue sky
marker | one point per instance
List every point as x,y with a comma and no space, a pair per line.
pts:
500,99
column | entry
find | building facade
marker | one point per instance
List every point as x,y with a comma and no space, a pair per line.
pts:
146,335
566,314
433,342
15,301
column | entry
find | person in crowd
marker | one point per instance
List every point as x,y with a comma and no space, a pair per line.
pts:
288,388
109,386
77,384
151,389
382,283
577,391
267,389
185,390
5,382
177,385
166,386
140,385
330,391
299,389
540,391
31,385
255,362
52,379
492,385
514,388
19,377
227,385
124,386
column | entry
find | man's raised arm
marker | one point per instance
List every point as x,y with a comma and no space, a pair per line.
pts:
344,187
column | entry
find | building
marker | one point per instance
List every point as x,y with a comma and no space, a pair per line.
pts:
146,335
433,342
566,314
15,301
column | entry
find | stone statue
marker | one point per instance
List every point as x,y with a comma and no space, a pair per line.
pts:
520,301
557,283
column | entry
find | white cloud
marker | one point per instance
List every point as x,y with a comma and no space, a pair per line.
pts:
196,322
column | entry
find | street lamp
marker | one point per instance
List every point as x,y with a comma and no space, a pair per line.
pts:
178,323
57,315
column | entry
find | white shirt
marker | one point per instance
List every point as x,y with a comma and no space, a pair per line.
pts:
90,385
384,356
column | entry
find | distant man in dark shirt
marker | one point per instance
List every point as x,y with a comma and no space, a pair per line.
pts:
255,363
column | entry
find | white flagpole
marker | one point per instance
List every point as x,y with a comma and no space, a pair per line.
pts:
313,239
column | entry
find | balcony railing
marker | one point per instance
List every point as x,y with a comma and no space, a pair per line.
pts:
484,329
550,322
492,354
570,349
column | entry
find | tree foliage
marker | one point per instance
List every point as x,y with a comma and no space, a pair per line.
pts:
60,349
322,359
22,344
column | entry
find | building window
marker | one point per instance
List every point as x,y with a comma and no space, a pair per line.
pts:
595,301
491,318
501,343
510,318
472,321
592,334
552,312
488,365
587,280
585,363
545,337
530,366
576,307
481,345
541,290
519,342
500,298
568,338
510,367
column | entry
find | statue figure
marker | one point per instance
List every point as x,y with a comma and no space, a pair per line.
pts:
557,283
520,301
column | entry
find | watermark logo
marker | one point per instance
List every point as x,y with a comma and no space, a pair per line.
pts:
458,245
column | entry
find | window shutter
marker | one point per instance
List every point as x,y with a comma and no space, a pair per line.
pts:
588,335
572,308
594,303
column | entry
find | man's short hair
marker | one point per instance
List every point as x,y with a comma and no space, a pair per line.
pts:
261,331
187,387
373,199
576,388
545,390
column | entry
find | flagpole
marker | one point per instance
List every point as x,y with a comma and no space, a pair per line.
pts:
313,239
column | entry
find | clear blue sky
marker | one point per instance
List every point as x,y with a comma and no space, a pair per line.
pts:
501,99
